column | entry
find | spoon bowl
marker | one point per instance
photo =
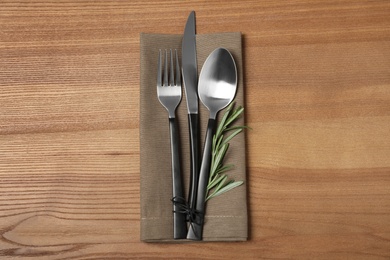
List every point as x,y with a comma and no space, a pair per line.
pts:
217,81
217,87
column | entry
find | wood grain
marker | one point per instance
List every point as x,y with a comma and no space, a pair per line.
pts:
317,78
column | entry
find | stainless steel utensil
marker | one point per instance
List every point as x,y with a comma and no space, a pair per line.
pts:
169,95
190,78
217,88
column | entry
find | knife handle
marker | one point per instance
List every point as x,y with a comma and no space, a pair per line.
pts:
193,121
195,232
179,218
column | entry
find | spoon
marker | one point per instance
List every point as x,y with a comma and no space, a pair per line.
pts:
216,88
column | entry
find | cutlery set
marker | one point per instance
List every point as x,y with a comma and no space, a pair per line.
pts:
216,89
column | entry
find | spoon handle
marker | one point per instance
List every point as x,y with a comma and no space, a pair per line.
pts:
195,231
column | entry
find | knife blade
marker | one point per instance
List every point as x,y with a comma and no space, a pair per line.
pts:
190,79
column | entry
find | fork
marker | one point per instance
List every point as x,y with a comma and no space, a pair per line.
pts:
169,95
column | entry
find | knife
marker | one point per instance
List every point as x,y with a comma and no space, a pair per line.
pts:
190,79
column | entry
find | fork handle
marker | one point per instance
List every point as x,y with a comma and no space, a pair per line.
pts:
193,124
179,218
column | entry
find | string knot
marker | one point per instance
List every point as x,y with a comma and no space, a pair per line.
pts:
192,215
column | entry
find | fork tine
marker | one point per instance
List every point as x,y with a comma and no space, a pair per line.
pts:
166,69
171,76
159,79
178,76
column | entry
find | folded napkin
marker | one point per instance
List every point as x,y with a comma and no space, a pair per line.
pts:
226,215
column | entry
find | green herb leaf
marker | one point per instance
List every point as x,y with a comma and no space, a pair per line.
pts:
226,188
215,182
224,168
220,154
230,137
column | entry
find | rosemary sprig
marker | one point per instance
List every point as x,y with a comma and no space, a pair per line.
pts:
218,180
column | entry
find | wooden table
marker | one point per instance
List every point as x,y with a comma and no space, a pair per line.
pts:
317,88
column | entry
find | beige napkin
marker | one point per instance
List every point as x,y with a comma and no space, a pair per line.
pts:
226,215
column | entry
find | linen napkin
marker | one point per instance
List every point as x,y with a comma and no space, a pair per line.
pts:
226,215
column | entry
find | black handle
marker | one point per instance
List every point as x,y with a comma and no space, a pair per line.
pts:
195,231
179,218
193,123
